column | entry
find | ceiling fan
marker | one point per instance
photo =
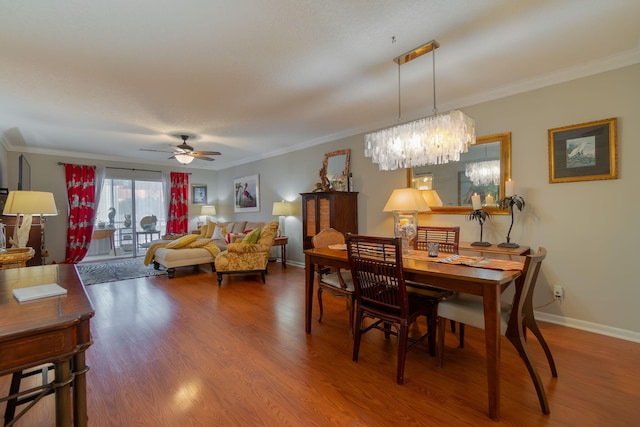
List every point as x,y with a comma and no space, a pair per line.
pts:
184,153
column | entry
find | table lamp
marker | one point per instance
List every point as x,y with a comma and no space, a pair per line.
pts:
405,203
208,211
27,204
282,209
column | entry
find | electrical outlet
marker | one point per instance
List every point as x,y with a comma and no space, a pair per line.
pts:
558,292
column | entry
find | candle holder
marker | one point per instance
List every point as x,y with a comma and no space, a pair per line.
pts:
510,202
405,226
480,216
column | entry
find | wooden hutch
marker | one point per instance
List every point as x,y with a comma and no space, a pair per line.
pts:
336,209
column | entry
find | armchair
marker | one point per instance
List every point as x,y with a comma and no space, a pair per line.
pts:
247,258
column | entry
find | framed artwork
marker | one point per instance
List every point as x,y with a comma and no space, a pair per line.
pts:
199,194
4,193
583,152
247,193
24,174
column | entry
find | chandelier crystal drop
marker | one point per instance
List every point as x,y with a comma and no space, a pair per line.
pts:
483,173
433,140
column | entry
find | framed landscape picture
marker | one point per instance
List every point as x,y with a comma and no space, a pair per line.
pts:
247,193
583,152
199,194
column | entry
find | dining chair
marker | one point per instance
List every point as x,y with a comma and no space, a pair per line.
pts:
514,318
334,281
381,294
448,239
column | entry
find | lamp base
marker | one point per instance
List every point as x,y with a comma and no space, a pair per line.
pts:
508,245
481,244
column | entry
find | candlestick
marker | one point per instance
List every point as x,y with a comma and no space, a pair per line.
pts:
509,188
475,201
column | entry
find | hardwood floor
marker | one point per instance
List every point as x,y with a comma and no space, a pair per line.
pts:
185,352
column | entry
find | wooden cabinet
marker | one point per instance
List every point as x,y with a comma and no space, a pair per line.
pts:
34,236
336,209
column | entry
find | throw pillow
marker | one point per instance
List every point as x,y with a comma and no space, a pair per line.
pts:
219,232
198,243
252,238
183,241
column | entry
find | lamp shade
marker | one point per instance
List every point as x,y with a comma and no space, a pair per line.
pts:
406,199
282,208
431,197
208,210
30,202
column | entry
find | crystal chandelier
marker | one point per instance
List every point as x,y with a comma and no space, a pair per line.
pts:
483,173
436,139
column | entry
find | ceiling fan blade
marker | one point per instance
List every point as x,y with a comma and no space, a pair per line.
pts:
157,151
206,153
203,158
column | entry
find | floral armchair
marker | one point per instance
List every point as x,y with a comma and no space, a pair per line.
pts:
246,258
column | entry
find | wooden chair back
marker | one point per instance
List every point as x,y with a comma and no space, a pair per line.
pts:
326,237
522,305
447,237
376,268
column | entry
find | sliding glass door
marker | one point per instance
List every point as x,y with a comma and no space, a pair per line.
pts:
131,213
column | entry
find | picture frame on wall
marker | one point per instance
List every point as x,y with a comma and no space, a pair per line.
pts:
247,193
584,152
24,174
199,194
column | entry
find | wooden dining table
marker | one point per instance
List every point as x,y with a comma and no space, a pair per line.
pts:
487,283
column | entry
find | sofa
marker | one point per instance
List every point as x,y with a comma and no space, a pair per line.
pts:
200,247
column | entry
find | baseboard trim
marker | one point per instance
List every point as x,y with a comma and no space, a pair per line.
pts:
589,326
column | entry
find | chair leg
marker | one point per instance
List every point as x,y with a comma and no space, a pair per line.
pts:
321,311
520,345
533,327
358,335
461,335
453,326
10,409
403,335
432,322
441,321
350,304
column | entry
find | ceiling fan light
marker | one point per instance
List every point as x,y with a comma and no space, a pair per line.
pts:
185,159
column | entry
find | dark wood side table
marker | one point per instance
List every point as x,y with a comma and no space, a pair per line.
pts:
48,330
282,242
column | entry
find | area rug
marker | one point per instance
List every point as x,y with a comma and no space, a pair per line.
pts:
113,271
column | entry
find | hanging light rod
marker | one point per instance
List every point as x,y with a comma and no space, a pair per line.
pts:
416,53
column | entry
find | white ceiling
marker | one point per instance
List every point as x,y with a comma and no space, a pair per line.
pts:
256,78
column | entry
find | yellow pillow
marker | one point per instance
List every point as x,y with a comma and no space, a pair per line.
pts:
183,241
199,243
252,238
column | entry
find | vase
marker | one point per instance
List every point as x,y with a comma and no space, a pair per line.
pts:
405,226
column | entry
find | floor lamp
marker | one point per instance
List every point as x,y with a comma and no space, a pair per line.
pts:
27,204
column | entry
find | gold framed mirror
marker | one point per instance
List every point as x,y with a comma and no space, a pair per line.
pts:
483,170
336,167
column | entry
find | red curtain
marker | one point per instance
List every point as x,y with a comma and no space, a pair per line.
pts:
178,218
81,194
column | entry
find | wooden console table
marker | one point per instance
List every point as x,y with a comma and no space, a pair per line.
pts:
494,249
48,330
